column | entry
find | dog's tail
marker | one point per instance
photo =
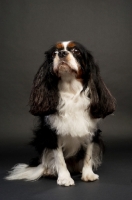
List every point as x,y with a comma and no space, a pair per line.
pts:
23,171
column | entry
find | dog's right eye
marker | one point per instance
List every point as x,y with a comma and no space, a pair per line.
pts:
54,53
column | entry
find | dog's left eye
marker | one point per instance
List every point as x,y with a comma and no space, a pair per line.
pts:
75,51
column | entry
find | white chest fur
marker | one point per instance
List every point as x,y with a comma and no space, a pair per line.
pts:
73,117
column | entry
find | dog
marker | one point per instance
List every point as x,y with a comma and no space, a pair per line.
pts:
69,98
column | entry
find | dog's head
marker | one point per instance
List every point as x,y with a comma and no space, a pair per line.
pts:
65,61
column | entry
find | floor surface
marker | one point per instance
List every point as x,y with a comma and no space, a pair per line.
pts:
115,177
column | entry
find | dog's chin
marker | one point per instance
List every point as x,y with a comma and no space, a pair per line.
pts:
64,70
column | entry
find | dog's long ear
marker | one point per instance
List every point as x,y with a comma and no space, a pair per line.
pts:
44,94
102,101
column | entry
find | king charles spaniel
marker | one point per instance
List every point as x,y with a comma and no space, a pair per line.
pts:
70,98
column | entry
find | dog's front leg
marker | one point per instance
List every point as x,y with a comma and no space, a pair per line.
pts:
64,177
87,171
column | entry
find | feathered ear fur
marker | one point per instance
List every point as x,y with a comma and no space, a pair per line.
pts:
102,101
44,95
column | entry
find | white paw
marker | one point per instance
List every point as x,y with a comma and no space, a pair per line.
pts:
65,181
89,175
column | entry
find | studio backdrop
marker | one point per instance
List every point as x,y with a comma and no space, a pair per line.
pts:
29,28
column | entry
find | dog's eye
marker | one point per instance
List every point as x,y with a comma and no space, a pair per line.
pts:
54,53
75,51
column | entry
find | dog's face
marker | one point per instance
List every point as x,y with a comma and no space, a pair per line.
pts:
66,58
65,61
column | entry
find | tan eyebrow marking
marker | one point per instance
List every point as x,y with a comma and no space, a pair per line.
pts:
59,46
71,45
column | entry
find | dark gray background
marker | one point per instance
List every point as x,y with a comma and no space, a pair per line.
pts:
28,29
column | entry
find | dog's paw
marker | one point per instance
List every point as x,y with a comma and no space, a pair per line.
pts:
65,181
89,175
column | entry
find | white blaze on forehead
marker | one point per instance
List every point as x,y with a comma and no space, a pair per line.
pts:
65,44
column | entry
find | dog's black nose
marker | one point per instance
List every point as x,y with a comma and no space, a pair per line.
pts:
62,54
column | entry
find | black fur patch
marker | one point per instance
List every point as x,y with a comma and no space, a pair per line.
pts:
44,137
98,140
